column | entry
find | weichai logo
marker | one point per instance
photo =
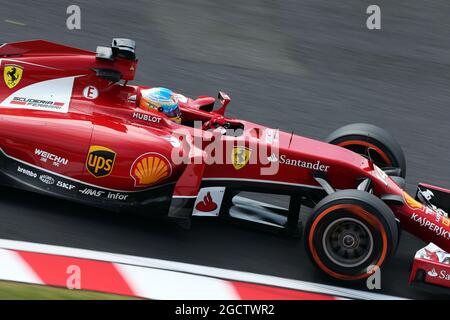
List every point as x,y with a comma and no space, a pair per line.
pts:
100,161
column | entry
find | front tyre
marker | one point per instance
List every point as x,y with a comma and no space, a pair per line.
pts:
350,232
371,142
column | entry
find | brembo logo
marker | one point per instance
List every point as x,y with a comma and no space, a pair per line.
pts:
27,172
100,161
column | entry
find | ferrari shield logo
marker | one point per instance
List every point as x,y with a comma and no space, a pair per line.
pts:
240,157
12,74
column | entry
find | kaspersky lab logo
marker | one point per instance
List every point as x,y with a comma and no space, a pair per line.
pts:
100,161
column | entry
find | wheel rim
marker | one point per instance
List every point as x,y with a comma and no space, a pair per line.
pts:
368,151
347,242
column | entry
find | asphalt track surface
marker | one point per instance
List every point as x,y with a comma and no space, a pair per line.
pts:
309,66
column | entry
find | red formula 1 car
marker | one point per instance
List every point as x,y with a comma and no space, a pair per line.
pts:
71,127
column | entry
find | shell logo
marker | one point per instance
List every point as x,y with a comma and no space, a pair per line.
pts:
150,168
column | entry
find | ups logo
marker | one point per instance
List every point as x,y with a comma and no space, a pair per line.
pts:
100,161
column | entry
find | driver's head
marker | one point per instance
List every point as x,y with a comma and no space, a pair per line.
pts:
161,100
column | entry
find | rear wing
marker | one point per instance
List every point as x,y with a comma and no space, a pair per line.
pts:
114,63
36,48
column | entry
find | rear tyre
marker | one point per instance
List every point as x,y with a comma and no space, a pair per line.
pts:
349,232
373,143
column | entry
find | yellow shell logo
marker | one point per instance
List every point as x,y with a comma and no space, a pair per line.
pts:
149,169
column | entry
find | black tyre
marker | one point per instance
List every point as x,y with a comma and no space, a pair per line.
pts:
373,143
348,232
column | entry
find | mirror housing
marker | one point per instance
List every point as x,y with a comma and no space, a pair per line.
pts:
224,100
124,48
120,48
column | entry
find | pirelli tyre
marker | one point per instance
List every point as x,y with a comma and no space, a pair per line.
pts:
374,143
350,233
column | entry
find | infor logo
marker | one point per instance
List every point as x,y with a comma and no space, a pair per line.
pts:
100,161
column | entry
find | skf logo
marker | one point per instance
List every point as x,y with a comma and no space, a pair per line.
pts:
12,74
240,157
149,169
100,161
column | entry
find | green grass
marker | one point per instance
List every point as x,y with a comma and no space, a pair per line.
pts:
21,291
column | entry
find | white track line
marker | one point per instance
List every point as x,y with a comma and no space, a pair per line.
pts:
194,269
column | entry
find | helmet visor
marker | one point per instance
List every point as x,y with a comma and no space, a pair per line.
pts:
171,111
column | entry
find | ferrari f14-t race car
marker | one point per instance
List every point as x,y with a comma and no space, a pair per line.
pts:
71,127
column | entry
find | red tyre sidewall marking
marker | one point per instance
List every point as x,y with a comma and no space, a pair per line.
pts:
362,214
368,145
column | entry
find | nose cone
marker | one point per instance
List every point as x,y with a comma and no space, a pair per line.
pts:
326,152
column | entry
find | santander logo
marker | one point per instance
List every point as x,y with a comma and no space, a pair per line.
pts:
207,204
432,273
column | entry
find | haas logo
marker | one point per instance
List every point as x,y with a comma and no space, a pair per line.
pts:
207,204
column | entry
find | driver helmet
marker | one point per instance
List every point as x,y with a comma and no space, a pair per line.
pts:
161,100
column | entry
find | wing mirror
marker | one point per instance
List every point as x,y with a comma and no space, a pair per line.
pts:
224,100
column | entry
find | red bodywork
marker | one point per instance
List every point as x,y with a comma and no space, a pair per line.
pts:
431,266
74,109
